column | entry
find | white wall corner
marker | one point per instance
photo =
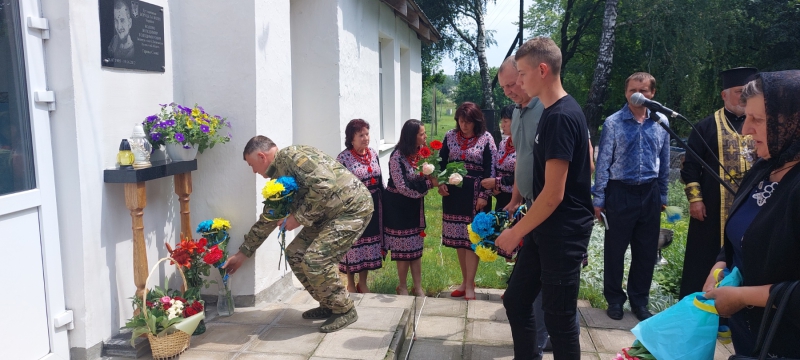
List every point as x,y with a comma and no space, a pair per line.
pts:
315,58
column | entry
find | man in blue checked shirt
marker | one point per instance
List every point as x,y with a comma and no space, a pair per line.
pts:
631,190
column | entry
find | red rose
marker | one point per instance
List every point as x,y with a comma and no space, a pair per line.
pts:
424,152
213,256
179,298
202,242
423,234
150,304
167,306
187,312
197,306
436,144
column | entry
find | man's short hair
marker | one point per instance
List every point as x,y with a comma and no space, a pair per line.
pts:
258,143
643,77
508,63
119,4
541,50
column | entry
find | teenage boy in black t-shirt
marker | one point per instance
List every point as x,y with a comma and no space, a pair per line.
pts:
558,224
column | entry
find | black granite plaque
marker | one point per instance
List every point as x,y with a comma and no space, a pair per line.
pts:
131,35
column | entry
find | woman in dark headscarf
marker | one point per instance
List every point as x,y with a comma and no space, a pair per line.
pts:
762,234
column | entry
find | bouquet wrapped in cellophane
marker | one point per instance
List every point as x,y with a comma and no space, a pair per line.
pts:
486,227
278,196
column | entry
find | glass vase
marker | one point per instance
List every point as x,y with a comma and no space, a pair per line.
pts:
225,305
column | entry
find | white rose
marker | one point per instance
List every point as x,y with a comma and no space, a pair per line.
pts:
455,179
427,169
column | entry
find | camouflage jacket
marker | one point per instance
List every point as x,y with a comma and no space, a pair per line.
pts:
326,189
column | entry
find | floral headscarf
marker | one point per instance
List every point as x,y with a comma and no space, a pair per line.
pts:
782,100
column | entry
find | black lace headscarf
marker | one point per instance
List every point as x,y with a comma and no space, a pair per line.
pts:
781,90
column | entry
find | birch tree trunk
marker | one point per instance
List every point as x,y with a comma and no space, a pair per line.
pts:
602,72
483,63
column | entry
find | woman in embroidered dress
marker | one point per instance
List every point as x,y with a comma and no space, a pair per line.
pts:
471,144
362,161
405,206
503,183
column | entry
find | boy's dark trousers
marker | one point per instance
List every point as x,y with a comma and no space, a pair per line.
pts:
550,264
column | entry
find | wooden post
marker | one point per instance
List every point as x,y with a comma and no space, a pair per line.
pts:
183,188
135,201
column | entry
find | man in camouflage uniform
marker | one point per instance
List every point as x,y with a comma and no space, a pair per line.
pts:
333,206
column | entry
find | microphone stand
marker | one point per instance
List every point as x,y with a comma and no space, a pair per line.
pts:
708,168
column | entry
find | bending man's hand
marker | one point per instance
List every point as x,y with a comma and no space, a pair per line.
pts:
234,262
291,223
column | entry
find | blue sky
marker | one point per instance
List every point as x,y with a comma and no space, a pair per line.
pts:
500,17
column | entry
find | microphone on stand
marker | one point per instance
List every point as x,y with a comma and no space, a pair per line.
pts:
639,100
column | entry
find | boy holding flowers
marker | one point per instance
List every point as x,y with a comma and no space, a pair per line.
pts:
333,206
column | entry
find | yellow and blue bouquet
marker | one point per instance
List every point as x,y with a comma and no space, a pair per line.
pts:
486,227
278,196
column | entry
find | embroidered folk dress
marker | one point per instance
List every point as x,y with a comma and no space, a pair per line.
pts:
404,207
366,251
504,172
458,209
504,181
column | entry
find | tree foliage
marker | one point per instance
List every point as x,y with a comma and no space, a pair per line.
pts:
464,36
683,43
469,89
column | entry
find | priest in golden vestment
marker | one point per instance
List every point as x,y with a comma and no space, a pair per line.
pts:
708,200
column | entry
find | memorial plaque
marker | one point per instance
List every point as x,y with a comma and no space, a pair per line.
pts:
131,35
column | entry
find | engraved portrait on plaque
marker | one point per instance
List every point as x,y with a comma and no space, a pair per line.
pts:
131,35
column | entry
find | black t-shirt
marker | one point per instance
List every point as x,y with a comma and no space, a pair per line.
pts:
562,134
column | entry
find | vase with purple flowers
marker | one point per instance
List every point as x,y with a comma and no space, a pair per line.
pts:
185,131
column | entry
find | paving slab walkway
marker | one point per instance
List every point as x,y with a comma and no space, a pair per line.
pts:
446,328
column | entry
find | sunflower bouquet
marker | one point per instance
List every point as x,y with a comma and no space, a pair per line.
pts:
486,227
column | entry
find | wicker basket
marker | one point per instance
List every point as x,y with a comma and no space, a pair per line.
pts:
171,345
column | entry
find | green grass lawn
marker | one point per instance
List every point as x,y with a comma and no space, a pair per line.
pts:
440,267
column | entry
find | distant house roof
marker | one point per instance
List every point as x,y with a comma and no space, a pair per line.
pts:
411,13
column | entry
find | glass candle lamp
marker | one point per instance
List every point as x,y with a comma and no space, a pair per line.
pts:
141,148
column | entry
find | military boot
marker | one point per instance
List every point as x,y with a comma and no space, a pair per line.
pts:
339,321
317,313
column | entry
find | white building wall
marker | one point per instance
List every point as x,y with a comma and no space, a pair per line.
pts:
315,68
96,108
296,71
364,27
235,60
250,84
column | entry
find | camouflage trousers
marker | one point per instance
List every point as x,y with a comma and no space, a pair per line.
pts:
315,253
